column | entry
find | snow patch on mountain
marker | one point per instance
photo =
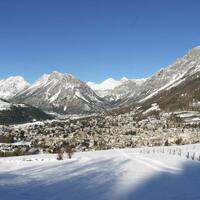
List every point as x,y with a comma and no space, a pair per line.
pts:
154,107
54,97
79,95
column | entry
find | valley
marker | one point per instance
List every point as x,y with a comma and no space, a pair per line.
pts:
59,108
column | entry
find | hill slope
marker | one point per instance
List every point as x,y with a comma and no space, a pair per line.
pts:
19,113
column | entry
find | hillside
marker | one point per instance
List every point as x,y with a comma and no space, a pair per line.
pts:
11,113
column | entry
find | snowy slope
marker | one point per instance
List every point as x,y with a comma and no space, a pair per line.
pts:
61,93
11,86
129,174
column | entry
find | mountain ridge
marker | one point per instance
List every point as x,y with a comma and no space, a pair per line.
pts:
61,93
65,94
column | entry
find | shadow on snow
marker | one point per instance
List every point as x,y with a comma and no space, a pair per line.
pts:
170,186
97,180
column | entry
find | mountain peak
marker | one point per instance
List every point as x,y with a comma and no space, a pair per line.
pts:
197,47
58,75
194,53
124,79
11,86
107,84
56,72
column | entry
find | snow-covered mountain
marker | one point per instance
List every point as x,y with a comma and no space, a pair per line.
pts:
12,86
172,89
113,90
12,113
61,93
126,89
173,75
65,94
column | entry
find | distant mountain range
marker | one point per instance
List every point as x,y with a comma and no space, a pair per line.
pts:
113,90
65,94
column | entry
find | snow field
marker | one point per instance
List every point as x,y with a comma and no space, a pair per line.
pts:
152,173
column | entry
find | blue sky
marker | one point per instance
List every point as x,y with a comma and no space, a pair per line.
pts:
95,39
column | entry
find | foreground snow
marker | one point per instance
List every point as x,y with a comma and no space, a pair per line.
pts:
129,174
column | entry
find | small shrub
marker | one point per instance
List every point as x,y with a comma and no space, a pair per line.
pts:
179,141
166,143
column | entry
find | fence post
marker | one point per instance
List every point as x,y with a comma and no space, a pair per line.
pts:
193,156
187,155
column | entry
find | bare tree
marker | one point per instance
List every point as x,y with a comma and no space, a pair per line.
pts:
60,155
69,149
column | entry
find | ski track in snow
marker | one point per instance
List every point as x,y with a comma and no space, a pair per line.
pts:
121,174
